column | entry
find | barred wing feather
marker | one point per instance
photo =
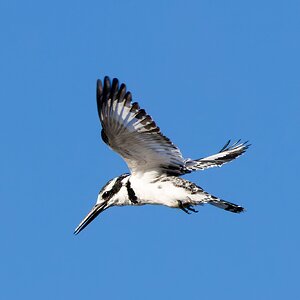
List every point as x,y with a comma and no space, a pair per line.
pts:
225,155
132,133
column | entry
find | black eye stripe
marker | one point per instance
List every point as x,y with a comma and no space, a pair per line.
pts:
115,188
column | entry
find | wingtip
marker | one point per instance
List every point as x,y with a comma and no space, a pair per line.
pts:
106,78
115,82
106,83
245,145
99,87
227,146
114,89
105,86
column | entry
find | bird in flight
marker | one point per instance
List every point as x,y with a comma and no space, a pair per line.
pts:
155,163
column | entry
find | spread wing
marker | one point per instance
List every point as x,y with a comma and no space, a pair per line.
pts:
225,155
132,133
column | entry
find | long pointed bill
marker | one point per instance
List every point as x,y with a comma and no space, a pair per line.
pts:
96,210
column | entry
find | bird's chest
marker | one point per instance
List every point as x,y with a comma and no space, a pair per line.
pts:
157,192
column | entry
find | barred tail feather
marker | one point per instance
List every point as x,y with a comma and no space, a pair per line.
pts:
203,197
226,205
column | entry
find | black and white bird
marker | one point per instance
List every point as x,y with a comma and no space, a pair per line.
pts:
155,163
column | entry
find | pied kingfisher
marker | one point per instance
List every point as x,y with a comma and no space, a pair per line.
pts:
155,163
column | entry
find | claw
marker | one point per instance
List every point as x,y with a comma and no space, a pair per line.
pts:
187,208
192,209
180,205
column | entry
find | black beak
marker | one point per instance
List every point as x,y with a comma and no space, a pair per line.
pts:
96,210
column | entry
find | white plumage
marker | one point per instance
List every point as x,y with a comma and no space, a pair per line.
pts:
154,161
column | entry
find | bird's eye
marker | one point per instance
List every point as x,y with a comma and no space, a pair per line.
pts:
105,195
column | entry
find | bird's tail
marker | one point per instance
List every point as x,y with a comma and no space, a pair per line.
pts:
202,197
226,205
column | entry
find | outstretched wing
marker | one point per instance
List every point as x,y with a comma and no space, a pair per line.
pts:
132,133
226,154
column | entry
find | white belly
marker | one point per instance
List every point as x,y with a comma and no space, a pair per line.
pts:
164,193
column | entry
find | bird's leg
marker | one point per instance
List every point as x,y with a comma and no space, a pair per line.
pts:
190,207
180,205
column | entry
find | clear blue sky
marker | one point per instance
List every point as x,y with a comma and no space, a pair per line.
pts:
206,71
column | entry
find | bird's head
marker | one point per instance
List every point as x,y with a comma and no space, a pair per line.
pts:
107,197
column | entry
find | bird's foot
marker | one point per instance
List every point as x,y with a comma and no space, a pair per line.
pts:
191,208
180,205
187,208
